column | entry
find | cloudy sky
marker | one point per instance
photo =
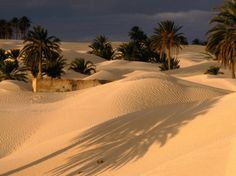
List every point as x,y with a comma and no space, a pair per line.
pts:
82,20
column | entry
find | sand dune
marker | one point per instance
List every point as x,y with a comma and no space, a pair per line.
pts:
144,122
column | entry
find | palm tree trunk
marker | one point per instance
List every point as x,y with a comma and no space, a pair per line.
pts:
233,68
40,64
168,58
40,69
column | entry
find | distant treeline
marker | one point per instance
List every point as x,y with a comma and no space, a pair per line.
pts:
16,28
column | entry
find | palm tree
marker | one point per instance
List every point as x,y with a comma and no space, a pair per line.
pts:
10,69
14,53
38,48
5,29
222,42
222,36
136,34
128,51
101,47
138,48
174,64
15,26
166,38
82,66
55,67
226,13
24,25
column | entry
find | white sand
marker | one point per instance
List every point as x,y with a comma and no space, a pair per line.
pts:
144,123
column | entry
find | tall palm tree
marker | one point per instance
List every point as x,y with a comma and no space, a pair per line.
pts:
5,29
136,34
222,42
39,47
222,36
15,26
226,13
24,25
166,38
101,47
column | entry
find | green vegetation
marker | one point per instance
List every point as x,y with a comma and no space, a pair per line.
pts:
213,70
55,67
174,64
82,66
222,36
16,28
156,49
3,56
102,47
138,48
39,48
10,68
197,41
167,38
41,55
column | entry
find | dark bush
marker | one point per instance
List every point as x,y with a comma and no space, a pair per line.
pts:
174,64
213,70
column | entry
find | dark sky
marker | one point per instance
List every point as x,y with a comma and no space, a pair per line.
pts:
80,20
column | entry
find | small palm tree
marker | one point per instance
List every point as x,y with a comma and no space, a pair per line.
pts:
130,51
39,48
101,47
14,53
82,66
166,38
9,69
174,64
55,68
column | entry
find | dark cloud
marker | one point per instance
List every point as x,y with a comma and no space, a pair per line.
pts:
84,19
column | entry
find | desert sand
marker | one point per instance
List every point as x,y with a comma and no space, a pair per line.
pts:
143,123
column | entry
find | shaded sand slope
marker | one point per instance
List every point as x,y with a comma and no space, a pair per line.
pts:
173,139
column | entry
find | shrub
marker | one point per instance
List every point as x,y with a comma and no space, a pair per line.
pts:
55,68
213,70
174,64
2,54
14,53
9,69
138,48
82,66
101,47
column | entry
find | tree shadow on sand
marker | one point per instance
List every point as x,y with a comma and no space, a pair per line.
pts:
125,139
